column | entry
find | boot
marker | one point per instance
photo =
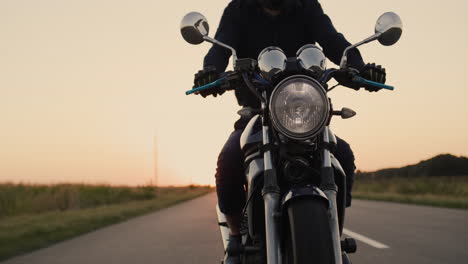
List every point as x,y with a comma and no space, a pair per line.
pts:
233,250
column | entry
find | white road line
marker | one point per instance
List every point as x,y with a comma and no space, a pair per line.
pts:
364,239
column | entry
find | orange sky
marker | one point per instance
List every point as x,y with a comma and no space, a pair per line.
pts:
86,85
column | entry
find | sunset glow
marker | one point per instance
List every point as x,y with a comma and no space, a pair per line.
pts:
86,86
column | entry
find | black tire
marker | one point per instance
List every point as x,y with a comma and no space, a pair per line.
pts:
309,238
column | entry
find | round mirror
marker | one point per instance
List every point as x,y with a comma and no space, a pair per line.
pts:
194,27
390,27
312,59
271,61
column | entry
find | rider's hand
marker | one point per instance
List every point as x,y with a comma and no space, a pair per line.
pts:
375,73
345,77
206,76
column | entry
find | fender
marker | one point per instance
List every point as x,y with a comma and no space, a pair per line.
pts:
299,192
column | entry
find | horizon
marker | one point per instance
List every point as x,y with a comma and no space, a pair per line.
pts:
201,185
87,87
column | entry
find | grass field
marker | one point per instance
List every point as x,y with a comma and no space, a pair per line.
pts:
35,216
449,192
18,199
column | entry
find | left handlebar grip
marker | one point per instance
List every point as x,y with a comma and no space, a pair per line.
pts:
206,86
371,83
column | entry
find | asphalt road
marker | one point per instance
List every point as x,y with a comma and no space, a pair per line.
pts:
188,233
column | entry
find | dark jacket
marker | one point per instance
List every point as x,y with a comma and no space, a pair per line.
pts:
248,29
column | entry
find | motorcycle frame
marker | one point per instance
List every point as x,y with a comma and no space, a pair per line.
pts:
271,192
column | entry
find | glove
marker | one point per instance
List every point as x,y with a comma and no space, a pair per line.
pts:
206,76
345,77
375,73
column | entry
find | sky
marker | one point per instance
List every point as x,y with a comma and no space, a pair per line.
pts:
92,91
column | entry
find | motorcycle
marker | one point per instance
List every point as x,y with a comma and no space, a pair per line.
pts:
296,188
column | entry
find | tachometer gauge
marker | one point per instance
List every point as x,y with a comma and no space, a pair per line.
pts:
312,59
271,61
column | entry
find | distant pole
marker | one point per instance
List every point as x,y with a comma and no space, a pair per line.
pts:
155,151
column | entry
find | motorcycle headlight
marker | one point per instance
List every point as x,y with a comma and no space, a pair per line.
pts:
299,107
312,59
271,61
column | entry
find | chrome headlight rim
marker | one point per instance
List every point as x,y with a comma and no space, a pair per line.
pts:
326,116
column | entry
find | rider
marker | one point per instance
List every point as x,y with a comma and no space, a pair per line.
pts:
249,26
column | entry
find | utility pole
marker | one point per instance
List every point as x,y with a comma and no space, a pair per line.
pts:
155,151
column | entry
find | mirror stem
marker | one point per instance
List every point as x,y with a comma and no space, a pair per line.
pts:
344,59
215,42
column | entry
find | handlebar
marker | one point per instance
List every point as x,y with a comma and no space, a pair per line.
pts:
229,76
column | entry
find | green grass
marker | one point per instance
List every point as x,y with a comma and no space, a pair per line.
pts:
26,232
451,192
18,199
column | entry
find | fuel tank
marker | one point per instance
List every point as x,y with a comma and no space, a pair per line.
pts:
251,143
252,133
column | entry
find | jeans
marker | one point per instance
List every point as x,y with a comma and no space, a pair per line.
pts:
230,178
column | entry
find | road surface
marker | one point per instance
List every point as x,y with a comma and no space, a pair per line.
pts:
188,233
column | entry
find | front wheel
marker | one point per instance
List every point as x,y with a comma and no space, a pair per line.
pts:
309,237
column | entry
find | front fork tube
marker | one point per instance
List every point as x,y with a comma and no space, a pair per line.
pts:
271,199
330,189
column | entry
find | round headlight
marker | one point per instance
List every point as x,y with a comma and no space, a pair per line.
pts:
299,107
312,59
271,61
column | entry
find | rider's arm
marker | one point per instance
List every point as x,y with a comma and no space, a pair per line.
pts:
333,43
228,33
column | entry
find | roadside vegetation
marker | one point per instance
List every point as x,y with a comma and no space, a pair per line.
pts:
451,192
440,181
35,216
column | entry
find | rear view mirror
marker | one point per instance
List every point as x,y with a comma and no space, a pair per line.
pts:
390,27
194,28
388,31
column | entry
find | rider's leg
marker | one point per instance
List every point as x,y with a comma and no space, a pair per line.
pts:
230,190
230,181
345,156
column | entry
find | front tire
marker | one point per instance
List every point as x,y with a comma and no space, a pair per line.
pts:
309,237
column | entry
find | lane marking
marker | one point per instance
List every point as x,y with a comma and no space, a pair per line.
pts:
364,239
